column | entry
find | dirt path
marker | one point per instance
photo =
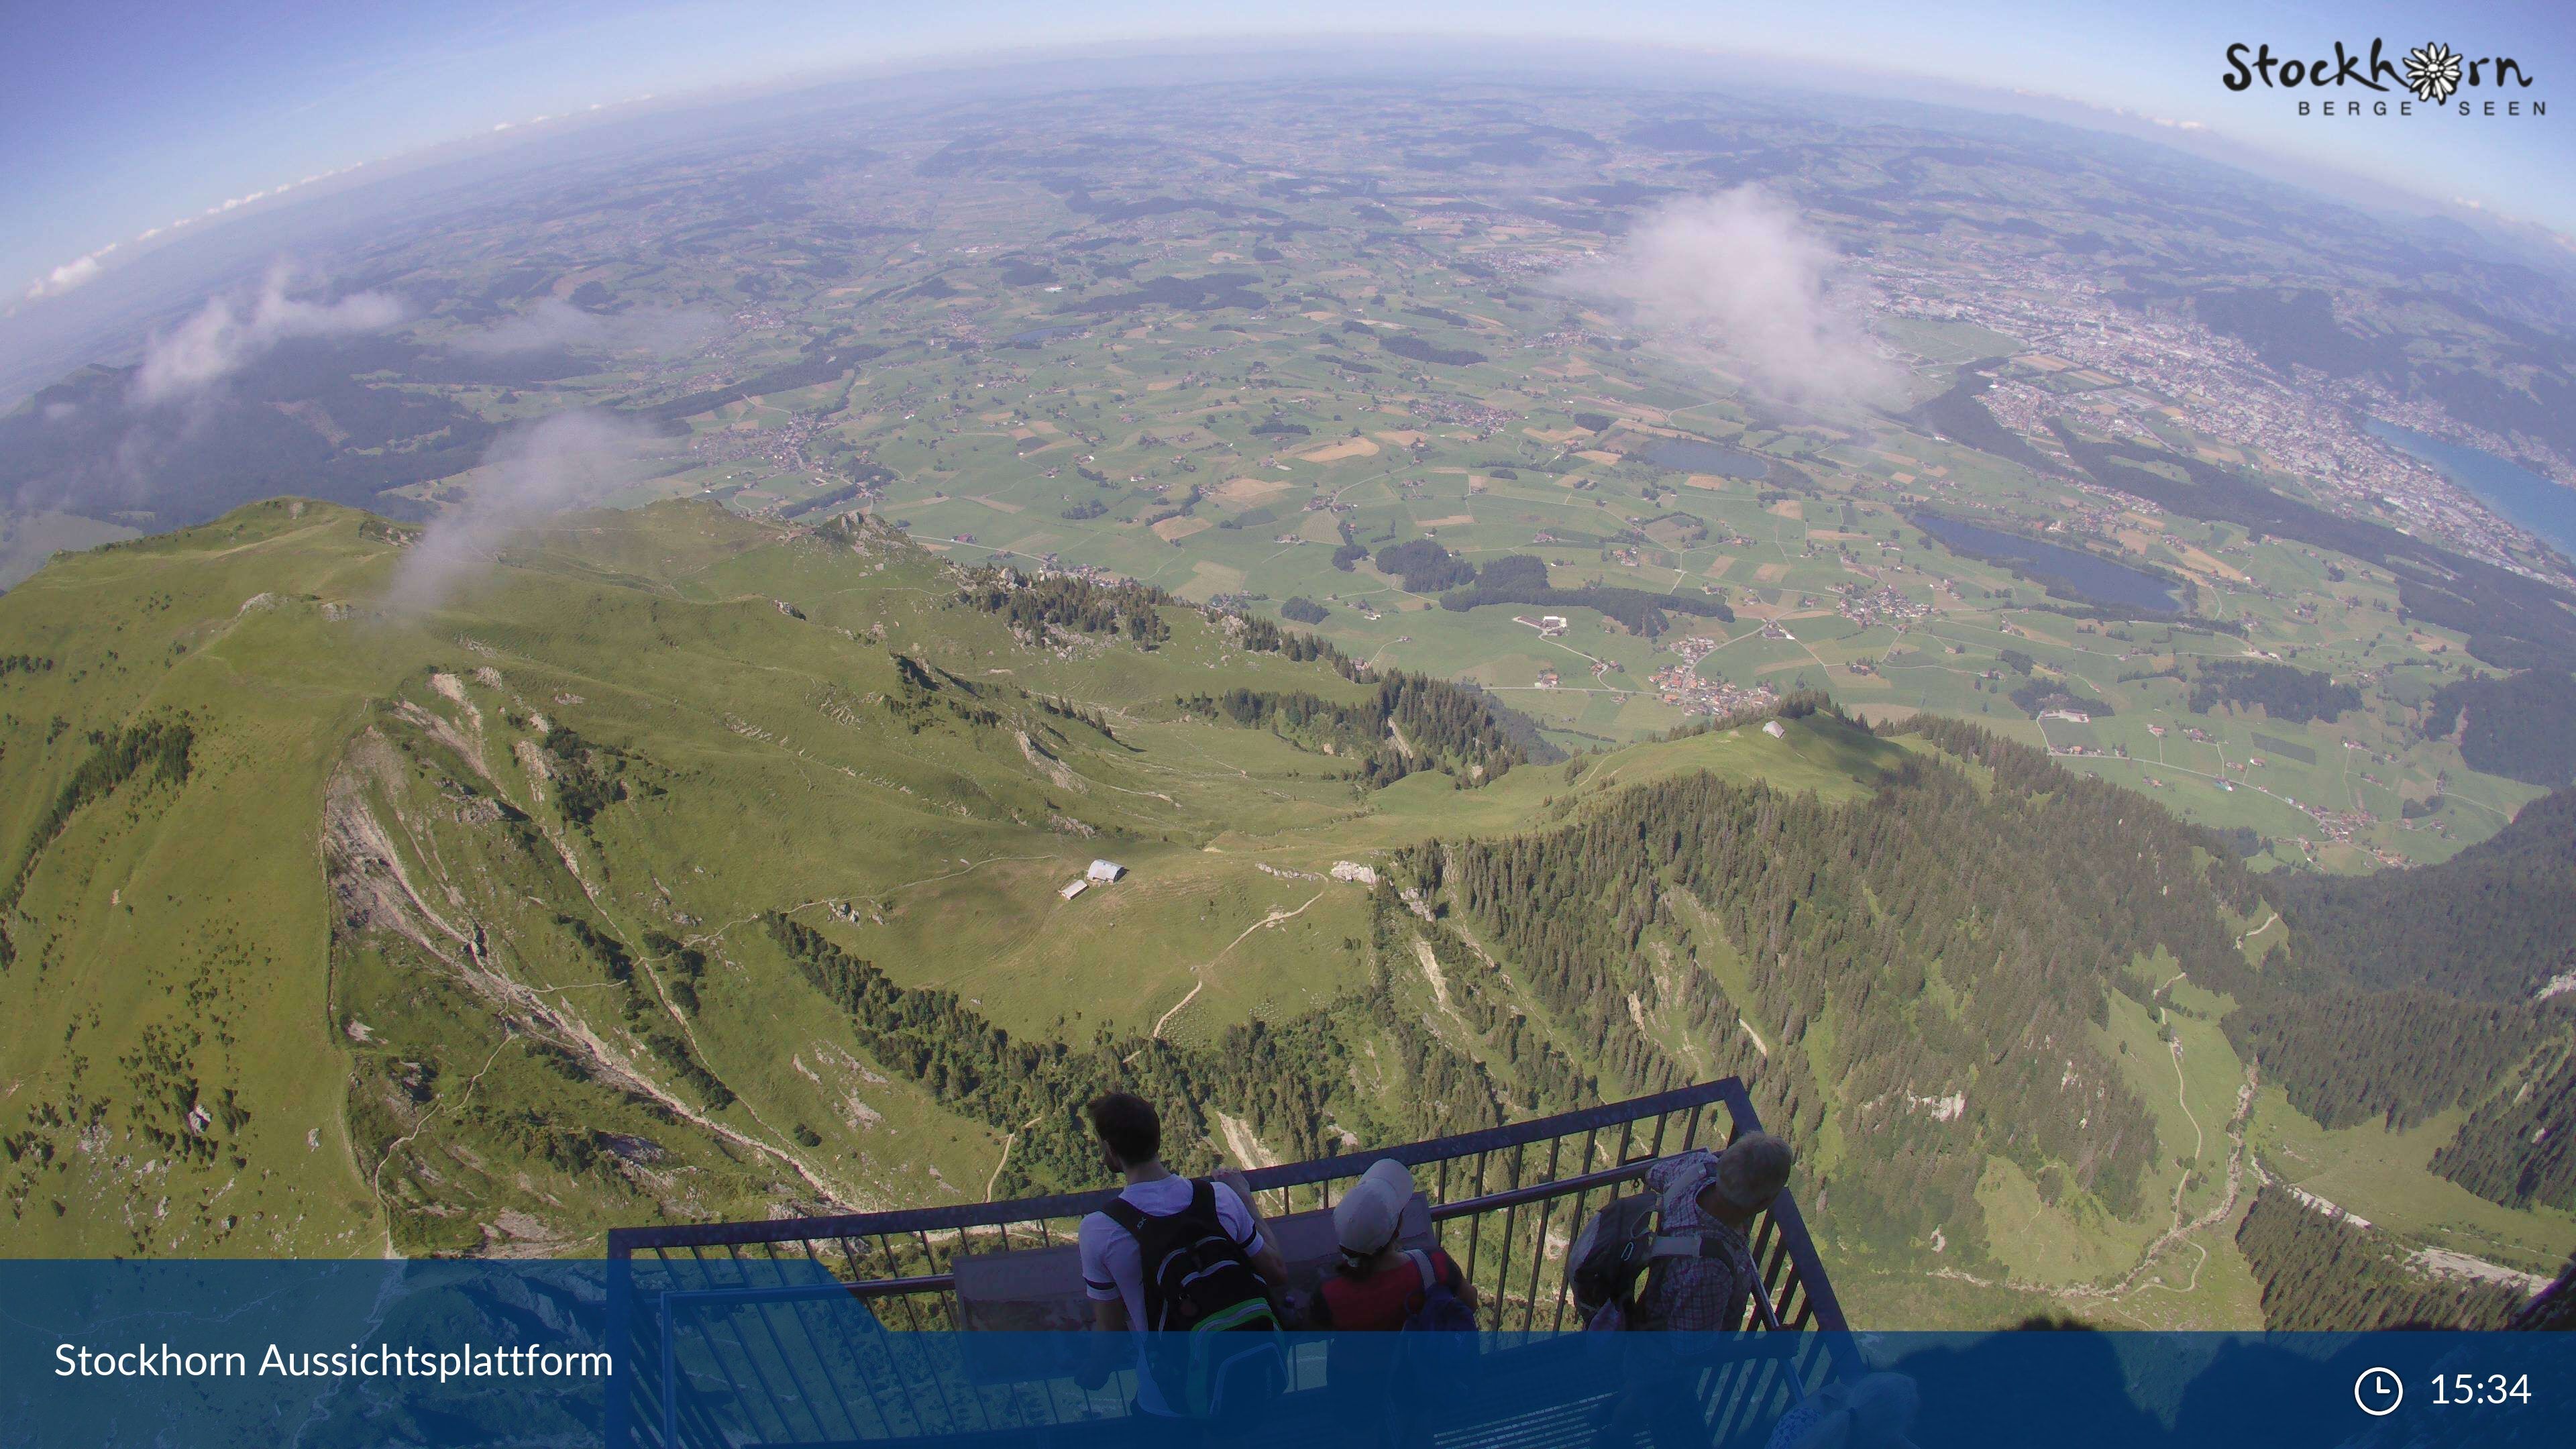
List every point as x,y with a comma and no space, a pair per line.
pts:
2268,921
1272,919
1166,1018
355,824
995,1180
1600,667
376,1179
2182,1230
2183,1100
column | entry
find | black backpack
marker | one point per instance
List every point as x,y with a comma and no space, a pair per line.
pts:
1609,1255
1198,1280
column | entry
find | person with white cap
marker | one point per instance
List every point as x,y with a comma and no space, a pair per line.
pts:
1380,1282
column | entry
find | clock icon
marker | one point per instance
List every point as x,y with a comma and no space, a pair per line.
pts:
2378,1391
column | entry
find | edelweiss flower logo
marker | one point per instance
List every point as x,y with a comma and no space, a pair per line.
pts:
2432,72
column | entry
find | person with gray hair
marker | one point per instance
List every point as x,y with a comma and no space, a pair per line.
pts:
1707,1200
1714,1197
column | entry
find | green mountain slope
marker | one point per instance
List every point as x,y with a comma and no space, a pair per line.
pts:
442,932
681,866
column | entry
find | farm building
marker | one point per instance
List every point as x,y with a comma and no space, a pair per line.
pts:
1104,871
1074,888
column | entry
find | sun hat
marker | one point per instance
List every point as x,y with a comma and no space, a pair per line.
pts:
1366,1218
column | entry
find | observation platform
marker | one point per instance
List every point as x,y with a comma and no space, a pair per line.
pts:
844,1330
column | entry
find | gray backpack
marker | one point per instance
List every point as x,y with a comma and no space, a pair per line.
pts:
1616,1247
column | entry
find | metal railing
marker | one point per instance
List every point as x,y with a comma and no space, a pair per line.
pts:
1506,1203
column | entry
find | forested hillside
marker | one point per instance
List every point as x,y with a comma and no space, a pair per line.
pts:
2495,922
1930,967
1413,721
2519,1147
2406,993
2321,1270
2516,725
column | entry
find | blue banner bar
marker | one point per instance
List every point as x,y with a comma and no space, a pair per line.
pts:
769,1353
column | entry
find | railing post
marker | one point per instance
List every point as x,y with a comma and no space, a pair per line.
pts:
1825,1308
1538,1250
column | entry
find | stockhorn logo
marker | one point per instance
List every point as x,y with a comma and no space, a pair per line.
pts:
2432,72
2431,79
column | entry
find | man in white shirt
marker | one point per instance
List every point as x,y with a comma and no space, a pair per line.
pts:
1113,1267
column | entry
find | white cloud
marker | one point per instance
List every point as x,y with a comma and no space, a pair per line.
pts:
84,269
228,333
558,464
1737,280
69,275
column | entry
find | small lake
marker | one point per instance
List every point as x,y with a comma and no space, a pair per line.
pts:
2546,508
1689,455
2096,578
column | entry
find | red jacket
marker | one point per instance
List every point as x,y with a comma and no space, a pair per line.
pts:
1382,1301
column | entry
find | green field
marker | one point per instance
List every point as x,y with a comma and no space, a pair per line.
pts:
2379,1175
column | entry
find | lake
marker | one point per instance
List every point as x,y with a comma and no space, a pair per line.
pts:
2096,578
2539,505
1689,455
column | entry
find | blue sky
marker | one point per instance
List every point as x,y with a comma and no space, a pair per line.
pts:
118,118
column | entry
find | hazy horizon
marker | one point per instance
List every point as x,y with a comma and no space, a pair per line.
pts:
135,133
103,307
